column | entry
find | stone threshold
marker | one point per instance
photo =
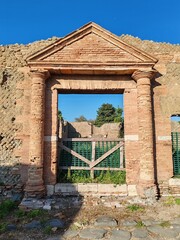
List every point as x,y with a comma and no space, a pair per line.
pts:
93,189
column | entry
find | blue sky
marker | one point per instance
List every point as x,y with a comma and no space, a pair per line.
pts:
31,20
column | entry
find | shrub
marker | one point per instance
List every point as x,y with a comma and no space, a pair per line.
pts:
6,207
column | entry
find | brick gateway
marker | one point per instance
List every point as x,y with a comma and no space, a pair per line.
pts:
93,60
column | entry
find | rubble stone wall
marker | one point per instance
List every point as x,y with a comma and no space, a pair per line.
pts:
14,111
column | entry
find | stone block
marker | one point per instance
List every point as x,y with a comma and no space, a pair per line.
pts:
87,188
120,190
50,190
132,191
174,182
66,188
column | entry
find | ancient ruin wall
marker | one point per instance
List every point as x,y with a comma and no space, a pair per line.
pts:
12,107
88,130
15,97
169,69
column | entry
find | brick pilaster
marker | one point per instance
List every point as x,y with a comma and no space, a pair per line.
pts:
146,140
35,183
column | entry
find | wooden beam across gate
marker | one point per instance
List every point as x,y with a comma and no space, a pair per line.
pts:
105,155
92,164
75,154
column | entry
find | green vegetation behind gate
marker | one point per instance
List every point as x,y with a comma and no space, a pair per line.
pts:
83,176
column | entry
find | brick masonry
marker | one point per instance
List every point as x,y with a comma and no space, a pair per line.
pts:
16,98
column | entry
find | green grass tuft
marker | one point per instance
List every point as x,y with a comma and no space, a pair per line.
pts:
140,224
36,213
135,207
47,230
177,201
3,227
165,224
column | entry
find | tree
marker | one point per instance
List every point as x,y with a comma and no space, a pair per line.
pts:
118,117
60,117
105,114
81,119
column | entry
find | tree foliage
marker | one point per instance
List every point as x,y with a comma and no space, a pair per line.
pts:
118,117
60,117
81,119
108,114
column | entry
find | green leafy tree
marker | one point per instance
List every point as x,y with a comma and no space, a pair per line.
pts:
60,117
105,114
118,117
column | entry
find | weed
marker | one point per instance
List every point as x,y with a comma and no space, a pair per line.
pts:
169,201
6,207
177,201
74,227
140,224
36,213
48,230
3,227
82,176
165,224
135,207
20,213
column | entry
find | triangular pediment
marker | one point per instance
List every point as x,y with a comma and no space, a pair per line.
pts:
90,45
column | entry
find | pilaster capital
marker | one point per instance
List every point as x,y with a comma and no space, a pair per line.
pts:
138,74
43,74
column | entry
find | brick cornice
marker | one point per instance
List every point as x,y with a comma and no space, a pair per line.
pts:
43,74
143,74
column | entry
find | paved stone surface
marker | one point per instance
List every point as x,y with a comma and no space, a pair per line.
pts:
175,221
55,223
92,233
71,233
120,234
140,233
108,228
163,232
54,238
148,222
105,221
129,223
11,227
176,227
32,225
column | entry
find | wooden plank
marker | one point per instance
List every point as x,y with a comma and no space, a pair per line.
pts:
106,154
93,158
92,139
75,154
121,156
74,168
95,168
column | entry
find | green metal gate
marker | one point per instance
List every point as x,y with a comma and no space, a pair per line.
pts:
176,152
91,155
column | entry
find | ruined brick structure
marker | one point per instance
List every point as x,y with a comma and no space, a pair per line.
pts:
89,60
88,130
